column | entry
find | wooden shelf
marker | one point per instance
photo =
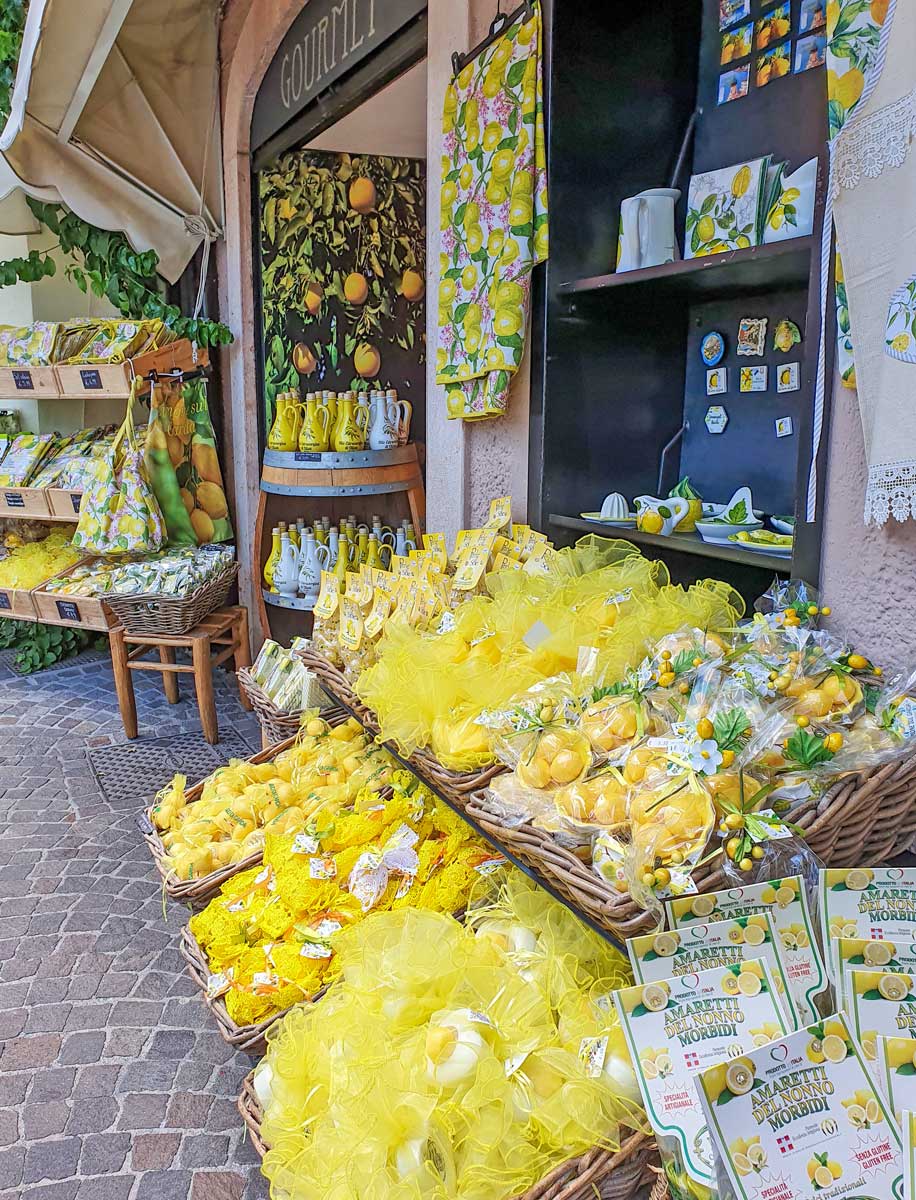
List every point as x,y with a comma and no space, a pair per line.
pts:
685,543
40,504
278,601
780,264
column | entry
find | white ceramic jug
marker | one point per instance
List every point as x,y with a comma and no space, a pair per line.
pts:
383,422
403,543
384,533
646,237
286,571
313,559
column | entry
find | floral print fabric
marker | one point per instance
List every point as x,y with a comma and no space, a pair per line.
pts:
493,220
853,40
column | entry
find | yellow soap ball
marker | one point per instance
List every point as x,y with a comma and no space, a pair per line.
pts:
567,766
534,773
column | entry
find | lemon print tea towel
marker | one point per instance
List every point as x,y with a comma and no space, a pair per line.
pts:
493,220
119,513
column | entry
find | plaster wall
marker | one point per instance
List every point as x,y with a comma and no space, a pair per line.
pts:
868,575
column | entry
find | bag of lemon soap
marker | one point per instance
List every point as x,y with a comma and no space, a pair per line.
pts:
896,1072
802,1118
676,1028
868,954
881,1002
738,945
867,902
786,901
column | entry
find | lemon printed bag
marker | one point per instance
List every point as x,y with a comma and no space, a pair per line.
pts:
119,513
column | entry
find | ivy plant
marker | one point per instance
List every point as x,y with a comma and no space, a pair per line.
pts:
39,646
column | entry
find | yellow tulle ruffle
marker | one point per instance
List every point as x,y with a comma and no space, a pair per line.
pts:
450,1062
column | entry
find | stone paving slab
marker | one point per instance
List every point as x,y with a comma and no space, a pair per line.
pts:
114,1083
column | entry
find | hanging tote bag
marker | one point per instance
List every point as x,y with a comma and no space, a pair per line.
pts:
119,513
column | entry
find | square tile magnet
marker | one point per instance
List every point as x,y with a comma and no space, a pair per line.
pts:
717,381
754,379
788,377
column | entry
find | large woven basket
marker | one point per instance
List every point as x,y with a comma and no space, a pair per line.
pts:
456,784
171,616
864,818
250,1039
598,1175
276,725
197,892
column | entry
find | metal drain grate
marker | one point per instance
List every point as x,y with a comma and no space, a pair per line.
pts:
136,772
83,659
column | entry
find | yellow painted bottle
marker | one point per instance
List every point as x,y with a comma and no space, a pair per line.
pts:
314,432
375,554
350,428
272,559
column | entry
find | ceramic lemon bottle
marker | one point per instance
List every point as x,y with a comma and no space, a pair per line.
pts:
315,432
284,432
378,554
350,427
272,559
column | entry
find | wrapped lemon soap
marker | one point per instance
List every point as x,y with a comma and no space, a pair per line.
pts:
452,1062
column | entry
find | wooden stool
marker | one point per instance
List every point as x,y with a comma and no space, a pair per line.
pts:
227,627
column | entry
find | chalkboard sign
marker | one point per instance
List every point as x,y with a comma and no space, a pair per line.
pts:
14,500
67,610
22,381
327,39
92,380
5,601
307,456
76,498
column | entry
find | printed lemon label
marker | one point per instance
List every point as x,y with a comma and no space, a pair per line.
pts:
328,597
500,516
896,1072
733,944
802,1118
868,902
786,902
908,1125
881,1002
857,954
676,1028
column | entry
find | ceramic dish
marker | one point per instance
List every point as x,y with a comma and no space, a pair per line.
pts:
621,523
783,525
712,348
713,531
713,510
763,548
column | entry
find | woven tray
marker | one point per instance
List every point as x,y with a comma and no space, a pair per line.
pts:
197,892
598,1174
149,613
276,725
250,1039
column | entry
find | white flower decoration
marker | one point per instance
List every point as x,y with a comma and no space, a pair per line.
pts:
705,757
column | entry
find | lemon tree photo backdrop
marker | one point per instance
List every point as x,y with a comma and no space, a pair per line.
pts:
343,275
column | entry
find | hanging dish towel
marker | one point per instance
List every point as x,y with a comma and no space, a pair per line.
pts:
874,199
493,220
119,513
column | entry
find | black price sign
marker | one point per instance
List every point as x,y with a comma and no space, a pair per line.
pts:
14,500
67,610
307,456
76,499
22,381
5,601
92,380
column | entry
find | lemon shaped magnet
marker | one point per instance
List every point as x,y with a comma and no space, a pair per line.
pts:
712,348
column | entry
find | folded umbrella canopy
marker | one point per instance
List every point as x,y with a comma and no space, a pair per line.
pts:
114,114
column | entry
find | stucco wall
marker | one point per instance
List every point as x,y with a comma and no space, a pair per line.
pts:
868,575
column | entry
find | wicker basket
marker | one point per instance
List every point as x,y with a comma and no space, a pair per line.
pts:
197,892
171,616
456,784
598,1175
250,1039
276,725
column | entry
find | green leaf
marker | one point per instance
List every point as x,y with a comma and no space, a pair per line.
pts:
516,74
737,514
732,728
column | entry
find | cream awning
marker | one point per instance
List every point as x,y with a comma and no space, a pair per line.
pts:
115,114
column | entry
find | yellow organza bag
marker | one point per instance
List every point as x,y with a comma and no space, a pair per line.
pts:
119,513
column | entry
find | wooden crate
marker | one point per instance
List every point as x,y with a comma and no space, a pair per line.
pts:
64,505
24,502
18,383
85,380
18,603
177,356
83,612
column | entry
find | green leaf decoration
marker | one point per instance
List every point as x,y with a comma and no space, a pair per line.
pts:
737,514
732,729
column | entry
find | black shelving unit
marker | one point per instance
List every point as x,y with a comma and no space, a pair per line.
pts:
616,368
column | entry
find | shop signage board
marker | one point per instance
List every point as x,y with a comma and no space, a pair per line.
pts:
327,39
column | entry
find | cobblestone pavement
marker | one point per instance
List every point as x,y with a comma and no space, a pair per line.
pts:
114,1084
